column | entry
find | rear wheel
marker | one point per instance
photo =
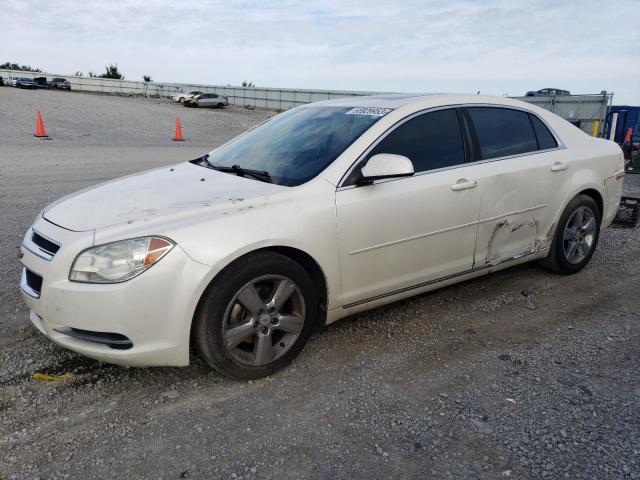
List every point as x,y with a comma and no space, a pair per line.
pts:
576,236
256,316
221,105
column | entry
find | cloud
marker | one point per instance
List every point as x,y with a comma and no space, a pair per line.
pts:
465,45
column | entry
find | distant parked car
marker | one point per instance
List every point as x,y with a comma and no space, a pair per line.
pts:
207,100
60,84
41,82
548,92
11,81
181,97
23,82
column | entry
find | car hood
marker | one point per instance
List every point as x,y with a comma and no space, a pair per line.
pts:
169,191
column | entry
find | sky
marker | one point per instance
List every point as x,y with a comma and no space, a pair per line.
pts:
493,46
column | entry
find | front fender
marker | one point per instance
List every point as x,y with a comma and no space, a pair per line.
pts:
303,219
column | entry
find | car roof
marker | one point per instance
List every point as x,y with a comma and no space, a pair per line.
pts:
425,100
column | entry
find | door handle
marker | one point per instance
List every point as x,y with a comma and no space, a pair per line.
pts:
559,166
463,184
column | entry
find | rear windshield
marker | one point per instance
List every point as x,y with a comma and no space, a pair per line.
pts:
297,145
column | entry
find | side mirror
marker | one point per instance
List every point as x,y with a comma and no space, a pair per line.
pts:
385,165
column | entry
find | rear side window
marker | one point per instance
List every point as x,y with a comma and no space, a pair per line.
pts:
432,140
544,136
502,131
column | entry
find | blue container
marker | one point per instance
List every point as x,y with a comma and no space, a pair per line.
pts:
628,117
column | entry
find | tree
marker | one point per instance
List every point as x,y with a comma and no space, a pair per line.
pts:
111,71
15,66
248,84
147,78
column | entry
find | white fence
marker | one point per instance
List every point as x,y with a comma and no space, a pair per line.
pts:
582,110
273,98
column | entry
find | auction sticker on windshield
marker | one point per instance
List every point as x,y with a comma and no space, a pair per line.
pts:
378,112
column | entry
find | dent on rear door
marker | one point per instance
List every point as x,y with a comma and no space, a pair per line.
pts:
521,200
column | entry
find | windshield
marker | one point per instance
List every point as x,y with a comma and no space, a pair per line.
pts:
297,145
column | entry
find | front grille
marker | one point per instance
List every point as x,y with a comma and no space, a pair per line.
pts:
44,243
34,281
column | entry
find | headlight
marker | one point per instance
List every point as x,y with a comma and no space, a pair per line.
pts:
118,261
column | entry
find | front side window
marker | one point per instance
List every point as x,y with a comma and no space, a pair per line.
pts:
431,141
297,145
502,131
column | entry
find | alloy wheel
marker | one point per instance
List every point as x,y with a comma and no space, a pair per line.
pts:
263,320
579,235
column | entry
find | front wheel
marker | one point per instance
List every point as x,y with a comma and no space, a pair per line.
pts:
256,316
576,236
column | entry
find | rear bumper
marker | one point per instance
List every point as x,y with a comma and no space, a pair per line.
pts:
153,311
612,193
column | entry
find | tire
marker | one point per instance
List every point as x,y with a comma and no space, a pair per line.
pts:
269,333
221,105
181,100
576,237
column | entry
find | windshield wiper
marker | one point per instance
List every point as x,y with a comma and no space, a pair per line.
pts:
203,161
238,170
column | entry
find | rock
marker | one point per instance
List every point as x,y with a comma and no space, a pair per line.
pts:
171,394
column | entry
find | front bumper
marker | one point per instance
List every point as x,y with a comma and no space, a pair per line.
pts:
152,311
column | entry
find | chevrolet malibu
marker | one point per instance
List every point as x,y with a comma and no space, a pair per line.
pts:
322,211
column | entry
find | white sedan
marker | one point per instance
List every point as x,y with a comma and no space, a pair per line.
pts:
184,96
321,212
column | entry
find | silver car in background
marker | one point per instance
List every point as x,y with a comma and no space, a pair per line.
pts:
547,92
207,100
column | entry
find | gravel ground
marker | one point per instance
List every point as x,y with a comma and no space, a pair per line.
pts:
520,374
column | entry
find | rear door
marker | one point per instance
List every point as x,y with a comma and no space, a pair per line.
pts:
525,179
401,233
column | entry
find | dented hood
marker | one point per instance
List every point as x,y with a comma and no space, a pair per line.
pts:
168,191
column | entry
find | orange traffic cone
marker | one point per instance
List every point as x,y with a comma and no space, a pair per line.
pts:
40,132
178,135
627,138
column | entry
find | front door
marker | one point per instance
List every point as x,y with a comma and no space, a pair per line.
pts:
399,233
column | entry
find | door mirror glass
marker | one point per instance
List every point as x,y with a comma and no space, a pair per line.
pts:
386,165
